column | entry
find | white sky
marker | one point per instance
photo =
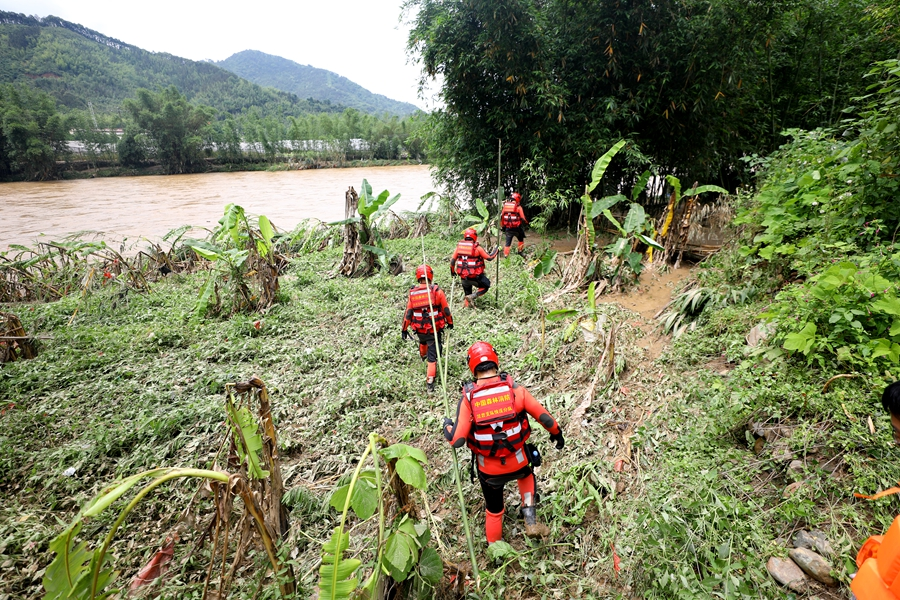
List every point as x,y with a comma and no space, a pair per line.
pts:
362,40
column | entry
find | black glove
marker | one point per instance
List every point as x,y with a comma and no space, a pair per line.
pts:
449,325
448,422
558,438
405,335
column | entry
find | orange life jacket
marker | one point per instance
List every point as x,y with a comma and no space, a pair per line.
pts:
422,310
509,216
497,429
468,264
879,566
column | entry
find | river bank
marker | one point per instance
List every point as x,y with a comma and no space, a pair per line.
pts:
102,168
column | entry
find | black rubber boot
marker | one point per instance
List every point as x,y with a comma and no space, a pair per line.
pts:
533,529
430,386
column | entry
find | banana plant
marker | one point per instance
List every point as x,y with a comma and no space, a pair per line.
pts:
482,222
79,574
587,318
371,208
237,250
402,553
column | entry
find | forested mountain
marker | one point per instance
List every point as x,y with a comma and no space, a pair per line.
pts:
76,65
310,82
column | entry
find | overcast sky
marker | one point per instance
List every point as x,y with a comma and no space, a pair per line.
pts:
363,40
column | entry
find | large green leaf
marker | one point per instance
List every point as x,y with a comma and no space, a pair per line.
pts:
401,450
411,472
640,185
335,569
267,231
69,565
431,569
634,261
602,163
232,220
500,550
701,189
383,208
482,209
249,432
801,340
399,555
614,221
205,249
206,294
675,183
887,304
650,242
635,219
605,203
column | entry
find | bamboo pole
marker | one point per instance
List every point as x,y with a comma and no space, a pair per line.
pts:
499,206
443,371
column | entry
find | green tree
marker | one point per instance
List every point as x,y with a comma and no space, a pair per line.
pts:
693,84
175,127
33,134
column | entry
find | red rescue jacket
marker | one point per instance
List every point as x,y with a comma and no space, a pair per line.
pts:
492,420
468,260
419,310
511,217
878,560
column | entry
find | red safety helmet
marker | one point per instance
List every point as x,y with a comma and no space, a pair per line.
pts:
516,196
481,352
470,234
424,271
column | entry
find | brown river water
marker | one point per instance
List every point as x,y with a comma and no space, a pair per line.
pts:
114,208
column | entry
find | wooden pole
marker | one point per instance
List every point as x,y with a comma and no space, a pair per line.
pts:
499,206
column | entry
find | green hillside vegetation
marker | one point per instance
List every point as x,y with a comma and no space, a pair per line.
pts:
76,66
310,82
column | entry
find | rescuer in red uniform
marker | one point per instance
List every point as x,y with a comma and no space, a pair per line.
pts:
468,262
492,419
513,221
878,577
427,309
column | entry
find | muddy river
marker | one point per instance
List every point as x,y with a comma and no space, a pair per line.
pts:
130,207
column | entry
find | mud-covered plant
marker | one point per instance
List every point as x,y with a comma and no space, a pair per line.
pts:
238,252
368,240
79,574
401,551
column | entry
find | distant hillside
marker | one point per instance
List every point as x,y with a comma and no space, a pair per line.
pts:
310,82
77,65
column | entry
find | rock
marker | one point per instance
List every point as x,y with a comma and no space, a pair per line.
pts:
796,466
789,490
759,445
787,573
813,565
620,487
782,454
758,334
814,540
